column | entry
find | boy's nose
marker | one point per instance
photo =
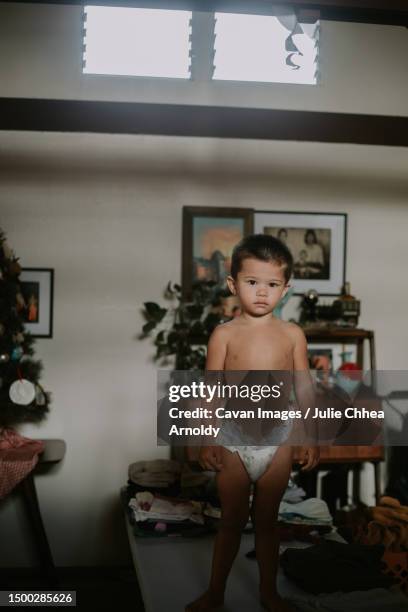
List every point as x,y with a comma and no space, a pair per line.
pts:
261,291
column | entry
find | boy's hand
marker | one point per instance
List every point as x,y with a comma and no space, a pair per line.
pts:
210,458
310,456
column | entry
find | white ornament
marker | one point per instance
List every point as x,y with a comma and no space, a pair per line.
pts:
22,392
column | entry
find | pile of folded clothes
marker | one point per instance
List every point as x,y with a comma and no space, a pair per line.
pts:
312,511
154,503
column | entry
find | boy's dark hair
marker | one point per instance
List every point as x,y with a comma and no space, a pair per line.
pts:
265,248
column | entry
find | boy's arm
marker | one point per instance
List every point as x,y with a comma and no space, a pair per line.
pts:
210,455
305,395
217,349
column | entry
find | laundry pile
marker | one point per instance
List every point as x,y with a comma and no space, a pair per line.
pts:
160,499
164,497
331,566
312,511
149,507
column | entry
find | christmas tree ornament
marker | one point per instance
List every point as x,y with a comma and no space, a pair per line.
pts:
4,357
40,399
14,268
17,353
20,301
8,253
17,338
22,392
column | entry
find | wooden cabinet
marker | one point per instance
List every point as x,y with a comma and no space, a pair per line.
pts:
353,455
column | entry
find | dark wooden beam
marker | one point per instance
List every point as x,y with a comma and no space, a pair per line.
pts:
388,12
206,121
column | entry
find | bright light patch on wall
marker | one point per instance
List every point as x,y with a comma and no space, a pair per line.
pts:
137,42
261,48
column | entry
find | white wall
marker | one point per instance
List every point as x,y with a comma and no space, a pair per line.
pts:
363,68
105,213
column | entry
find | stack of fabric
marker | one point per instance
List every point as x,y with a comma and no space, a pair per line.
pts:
155,508
159,515
159,473
312,511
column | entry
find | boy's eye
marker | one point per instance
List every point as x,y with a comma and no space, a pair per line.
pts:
251,282
273,285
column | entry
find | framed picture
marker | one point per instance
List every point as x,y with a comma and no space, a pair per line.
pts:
209,235
37,288
317,242
333,355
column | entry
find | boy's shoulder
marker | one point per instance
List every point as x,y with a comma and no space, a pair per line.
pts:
293,330
223,329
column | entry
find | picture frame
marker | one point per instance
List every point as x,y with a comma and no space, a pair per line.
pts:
318,243
37,288
209,235
336,352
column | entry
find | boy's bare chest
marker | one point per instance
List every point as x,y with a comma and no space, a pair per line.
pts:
259,350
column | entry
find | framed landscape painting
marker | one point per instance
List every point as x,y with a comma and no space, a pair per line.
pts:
209,236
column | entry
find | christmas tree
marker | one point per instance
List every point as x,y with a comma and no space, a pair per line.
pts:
22,399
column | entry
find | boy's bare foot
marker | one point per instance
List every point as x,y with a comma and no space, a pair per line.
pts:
207,602
275,603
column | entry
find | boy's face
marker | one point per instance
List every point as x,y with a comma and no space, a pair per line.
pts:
259,285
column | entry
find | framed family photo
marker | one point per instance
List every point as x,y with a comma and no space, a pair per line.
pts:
317,242
37,288
209,235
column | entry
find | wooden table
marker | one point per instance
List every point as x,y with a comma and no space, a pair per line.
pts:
353,457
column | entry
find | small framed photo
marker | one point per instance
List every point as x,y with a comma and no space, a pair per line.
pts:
209,236
317,242
37,288
329,356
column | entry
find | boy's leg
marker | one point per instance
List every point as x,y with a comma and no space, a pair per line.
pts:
233,486
269,490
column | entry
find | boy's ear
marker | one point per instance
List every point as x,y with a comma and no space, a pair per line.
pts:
286,289
231,285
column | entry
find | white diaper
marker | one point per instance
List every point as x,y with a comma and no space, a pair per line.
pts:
255,458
